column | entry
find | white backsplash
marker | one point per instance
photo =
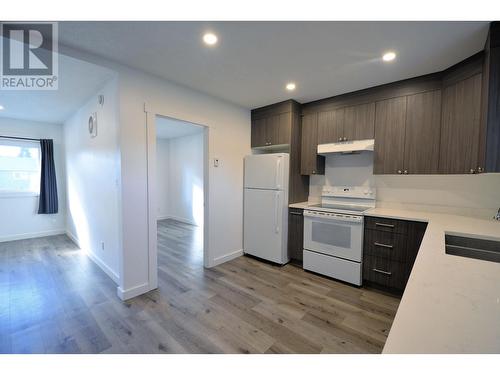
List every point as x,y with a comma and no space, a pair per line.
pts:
471,195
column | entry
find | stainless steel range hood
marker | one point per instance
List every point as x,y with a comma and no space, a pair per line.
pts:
348,147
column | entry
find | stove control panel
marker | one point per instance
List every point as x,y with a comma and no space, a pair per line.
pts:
360,192
333,216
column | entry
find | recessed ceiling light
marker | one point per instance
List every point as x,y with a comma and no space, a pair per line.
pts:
2,107
389,56
210,39
290,86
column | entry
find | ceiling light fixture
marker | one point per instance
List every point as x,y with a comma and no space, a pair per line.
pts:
389,56
210,39
290,86
2,107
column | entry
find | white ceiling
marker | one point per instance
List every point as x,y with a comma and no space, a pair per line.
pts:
253,60
167,128
78,81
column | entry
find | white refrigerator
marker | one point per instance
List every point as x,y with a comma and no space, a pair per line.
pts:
266,207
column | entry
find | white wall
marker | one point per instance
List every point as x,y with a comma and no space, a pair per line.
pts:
474,195
19,218
162,177
180,178
93,167
228,140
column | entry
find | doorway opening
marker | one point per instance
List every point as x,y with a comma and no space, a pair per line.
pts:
179,195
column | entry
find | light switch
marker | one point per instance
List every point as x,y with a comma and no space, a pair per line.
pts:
216,162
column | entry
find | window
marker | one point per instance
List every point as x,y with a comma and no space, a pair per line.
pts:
19,167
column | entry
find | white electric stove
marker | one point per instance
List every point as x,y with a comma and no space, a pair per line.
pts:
333,232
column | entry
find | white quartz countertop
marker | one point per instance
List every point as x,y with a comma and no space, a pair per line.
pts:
451,304
302,205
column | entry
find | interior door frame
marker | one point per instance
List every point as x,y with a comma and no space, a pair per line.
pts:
151,114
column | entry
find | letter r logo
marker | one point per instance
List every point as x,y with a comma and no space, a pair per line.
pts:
27,49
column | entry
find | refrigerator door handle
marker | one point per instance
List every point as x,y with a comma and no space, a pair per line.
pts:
276,212
278,173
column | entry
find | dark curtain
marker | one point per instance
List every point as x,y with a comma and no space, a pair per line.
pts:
48,203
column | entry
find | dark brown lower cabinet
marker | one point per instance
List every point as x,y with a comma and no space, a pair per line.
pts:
389,252
385,273
295,234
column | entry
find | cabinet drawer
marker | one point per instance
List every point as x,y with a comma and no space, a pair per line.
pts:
386,225
385,245
385,272
337,268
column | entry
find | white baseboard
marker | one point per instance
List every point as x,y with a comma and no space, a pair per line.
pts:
24,236
73,238
133,292
226,258
177,218
103,266
94,258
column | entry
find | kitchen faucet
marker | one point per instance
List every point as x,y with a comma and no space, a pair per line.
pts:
497,215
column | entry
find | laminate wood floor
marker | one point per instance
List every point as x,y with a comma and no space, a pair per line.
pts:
53,299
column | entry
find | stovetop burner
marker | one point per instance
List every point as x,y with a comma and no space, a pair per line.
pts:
342,207
339,208
353,200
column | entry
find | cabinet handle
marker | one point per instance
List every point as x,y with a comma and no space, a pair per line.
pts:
295,213
383,245
400,171
387,273
385,225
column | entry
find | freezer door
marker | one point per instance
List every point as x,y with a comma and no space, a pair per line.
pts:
267,171
264,228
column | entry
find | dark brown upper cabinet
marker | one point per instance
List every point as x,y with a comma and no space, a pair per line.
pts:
279,124
347,124
460,130
279,127
489,147
311,162
422,133
407,134
389,136
272,130
359,122
331,126
258,135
